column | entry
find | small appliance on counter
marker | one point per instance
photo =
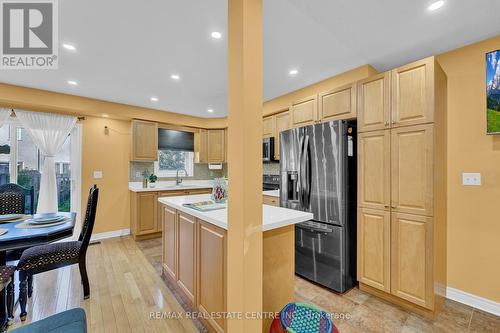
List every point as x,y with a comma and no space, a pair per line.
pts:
318,175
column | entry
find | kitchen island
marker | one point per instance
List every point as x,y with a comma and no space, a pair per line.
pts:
195,256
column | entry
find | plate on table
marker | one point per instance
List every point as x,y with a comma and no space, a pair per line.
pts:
45,219
10,217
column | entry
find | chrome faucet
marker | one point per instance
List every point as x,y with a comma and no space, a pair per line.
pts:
178,181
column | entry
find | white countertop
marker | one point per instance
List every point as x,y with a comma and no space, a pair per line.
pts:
272,193
170,185
272,217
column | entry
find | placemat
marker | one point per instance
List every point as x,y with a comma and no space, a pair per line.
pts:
27,225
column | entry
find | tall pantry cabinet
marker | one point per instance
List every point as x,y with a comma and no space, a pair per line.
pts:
402,185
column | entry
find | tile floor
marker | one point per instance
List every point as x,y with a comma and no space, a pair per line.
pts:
359,312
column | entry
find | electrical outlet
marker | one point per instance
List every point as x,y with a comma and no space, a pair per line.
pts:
138,174
471,179
97,174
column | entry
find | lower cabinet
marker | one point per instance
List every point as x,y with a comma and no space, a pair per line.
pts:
194,258
395,254
374,248
270,200
411,259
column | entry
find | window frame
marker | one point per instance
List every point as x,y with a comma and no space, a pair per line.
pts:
173,173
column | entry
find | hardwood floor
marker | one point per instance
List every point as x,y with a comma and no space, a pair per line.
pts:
125,289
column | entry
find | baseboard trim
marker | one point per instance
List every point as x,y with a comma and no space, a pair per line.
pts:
110,234
477,302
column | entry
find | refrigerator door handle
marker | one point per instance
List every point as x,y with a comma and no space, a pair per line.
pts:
300,186
307,173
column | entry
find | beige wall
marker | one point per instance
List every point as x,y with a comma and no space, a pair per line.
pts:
283,102
473,212
109,153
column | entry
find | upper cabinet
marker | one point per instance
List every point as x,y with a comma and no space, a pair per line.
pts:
339,103
216,146
201,146
268,127
282,121
144,141
413,93
305,111
374,103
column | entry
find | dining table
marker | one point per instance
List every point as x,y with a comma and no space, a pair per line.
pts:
18,239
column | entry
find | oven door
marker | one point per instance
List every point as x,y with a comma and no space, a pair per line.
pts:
318,253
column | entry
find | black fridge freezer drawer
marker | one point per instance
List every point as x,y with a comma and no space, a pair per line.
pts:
319,254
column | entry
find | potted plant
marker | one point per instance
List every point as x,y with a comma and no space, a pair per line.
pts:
152,180
145,176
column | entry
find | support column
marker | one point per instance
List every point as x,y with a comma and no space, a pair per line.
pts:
244,244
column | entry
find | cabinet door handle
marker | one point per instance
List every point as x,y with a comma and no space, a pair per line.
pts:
393,207
386,206
393,122
386,123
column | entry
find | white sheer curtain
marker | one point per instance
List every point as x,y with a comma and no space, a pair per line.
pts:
4,115
48,131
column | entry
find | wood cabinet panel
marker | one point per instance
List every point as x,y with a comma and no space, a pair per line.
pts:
282,121
339,103
374,169
374,103
374,248
186,266
201,146
216,146
270,200
170,242
147,218
212,272
268,127
412,169
144,141
304,112
411,262
413,93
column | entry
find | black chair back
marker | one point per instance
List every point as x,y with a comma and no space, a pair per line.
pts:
13,199
88,224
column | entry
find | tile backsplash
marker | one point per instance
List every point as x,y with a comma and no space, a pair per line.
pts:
200,171
271,168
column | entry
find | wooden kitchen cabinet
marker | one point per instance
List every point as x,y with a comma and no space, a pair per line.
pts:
144,213
282,123
411,262
374,169
216,146
374,248
268,127
169,255
270,200
374,103
339,103
201,146
412,168
186,247
304,111
413,93
144,140
212,252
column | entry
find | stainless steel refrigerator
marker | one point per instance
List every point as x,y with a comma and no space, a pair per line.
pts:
318,175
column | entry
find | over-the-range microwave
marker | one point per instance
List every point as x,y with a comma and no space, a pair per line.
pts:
268,149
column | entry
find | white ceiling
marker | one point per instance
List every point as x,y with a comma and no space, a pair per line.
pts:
127,50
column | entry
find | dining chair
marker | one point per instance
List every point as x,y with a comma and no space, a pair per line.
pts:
14,197
44,258
6,295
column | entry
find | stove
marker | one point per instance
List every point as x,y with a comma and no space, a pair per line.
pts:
271,182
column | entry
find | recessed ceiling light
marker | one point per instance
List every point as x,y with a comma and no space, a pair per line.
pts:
216,35
105,115
175,77
436,5
210,110
293,72
72,82
154,99
69,47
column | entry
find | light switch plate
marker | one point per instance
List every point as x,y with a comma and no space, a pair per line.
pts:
97,174
138,174
471,179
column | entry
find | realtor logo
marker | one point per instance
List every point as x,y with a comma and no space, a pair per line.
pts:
29,34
